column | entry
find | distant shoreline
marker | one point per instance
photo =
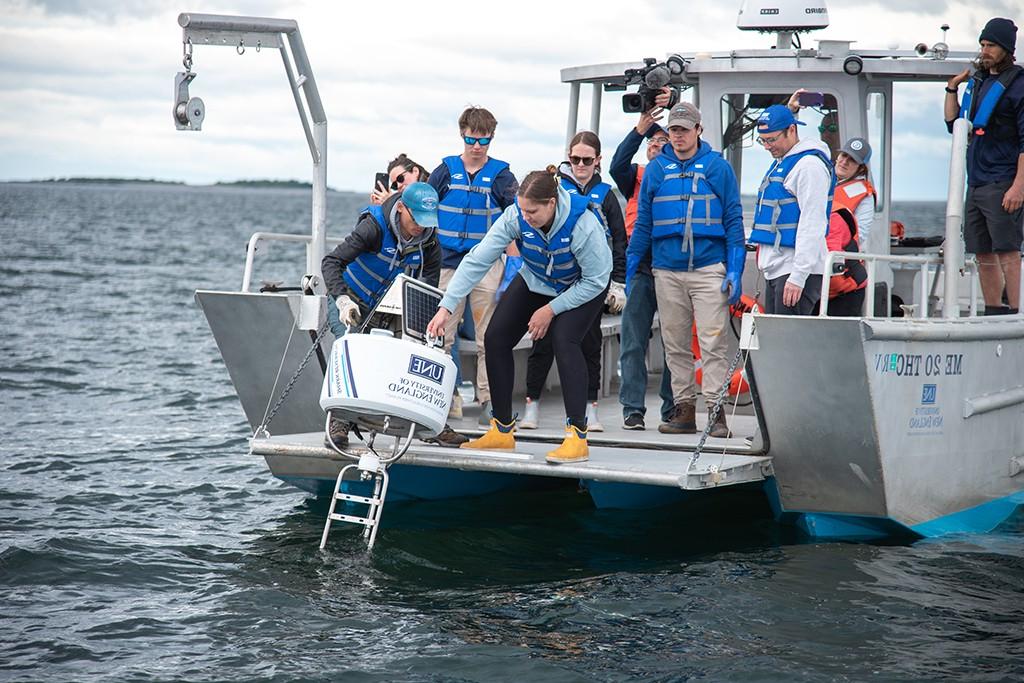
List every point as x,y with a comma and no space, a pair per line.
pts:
262,184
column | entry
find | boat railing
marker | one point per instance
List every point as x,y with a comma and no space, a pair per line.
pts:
258,237
923,291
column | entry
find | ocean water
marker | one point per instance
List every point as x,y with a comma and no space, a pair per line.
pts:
139,541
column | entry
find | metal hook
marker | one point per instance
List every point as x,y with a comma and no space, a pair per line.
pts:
186,51
258,44
240,49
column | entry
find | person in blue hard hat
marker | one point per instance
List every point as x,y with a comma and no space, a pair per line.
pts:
792,213
994,103
399,236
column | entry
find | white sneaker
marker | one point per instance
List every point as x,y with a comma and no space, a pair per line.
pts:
531,415
593,423
455,410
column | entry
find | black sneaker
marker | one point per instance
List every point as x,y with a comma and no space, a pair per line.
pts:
634,421
448,438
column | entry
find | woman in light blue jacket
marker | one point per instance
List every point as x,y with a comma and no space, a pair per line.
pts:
559,291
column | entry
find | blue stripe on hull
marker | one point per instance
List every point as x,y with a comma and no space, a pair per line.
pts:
980,519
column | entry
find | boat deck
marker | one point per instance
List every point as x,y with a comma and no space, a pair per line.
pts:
617,455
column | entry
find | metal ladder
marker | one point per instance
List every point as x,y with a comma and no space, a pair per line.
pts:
369,466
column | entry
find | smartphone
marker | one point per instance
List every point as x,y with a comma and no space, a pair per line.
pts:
381,180
810,99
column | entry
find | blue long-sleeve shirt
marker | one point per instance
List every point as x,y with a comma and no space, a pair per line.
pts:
670,253
589,246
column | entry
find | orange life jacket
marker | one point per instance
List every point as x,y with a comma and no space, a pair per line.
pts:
632,203
850,193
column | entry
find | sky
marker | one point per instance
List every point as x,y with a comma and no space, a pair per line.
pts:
87,85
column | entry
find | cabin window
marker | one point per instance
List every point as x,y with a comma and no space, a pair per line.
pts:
749,160
875,107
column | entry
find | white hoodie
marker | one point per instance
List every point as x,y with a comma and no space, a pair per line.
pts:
808,182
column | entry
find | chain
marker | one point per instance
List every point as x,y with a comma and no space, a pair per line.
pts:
715,409
186,51
262,429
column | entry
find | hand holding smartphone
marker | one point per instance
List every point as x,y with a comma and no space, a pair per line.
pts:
810,99
380,182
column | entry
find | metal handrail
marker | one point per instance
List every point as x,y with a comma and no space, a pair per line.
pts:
257,237
922,294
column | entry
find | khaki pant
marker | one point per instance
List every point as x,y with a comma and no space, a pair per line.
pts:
684,296
481,301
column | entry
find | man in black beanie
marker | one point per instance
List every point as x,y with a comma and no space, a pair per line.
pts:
994,104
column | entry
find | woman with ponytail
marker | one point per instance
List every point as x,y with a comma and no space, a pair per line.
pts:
559,293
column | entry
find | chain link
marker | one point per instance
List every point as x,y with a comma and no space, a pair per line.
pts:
186,51
715,409
262,429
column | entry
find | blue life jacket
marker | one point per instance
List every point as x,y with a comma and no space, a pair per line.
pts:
552,259
979,113
370,274
777,212
685,205
468,209
597,194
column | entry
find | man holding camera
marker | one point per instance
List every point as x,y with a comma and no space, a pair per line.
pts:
641,304
396,237
994,103
474,189
690,220
792,214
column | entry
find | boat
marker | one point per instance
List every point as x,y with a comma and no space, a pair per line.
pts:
931,438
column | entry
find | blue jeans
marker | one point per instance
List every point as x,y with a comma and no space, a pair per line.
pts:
637,318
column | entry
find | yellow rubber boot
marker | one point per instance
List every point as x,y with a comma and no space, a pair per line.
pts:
498,437
573,449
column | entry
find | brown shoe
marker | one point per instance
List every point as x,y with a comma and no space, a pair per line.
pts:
448,437
719,429
338,433
682,420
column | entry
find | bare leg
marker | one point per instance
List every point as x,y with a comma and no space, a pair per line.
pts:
1009,264
991,275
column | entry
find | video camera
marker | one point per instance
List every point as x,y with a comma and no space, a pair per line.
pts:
652,77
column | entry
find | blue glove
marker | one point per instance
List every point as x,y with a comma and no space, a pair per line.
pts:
632,263
733,282
512,266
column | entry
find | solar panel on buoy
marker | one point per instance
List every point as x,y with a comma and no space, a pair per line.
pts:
419,305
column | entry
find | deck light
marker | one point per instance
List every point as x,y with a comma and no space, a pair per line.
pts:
853,65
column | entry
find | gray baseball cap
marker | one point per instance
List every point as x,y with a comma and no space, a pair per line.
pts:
857,149
684,114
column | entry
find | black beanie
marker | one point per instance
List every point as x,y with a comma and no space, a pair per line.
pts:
1002,32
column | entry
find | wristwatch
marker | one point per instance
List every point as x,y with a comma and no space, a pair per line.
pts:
951,90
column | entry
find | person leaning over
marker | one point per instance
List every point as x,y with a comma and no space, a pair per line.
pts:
792,214
474,190
641,304
558,292
691,221
994,104
395,237
402,172
581,175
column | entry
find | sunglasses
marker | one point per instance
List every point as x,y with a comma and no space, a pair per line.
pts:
472,141
828,127
585,161
400,178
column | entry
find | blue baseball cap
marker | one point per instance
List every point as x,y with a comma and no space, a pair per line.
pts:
776,117
421,200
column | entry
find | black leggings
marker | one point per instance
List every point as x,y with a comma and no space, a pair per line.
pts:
542,355
566,332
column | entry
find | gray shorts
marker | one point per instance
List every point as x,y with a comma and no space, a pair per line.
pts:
987,227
